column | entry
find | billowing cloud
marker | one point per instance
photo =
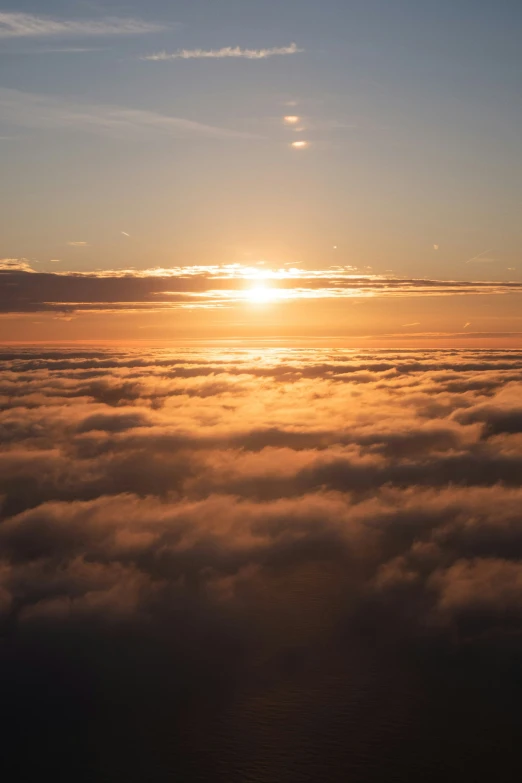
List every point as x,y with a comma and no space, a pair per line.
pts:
22,25
271,554
224,53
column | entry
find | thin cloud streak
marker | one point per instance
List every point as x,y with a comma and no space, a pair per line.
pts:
59,50
48,112
225,52
20,25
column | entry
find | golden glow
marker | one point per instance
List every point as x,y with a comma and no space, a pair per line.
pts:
299,145
291,119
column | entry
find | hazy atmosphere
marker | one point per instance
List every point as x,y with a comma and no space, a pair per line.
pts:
260,391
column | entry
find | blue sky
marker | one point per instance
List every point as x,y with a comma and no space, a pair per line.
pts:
411,111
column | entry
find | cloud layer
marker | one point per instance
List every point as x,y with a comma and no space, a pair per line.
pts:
307,562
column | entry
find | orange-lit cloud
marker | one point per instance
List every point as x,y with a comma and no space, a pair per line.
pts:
15,265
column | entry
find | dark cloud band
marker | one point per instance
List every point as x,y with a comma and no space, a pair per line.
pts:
26,292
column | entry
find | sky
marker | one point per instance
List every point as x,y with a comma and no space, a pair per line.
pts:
139,136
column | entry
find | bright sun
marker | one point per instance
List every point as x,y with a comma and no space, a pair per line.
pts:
260,293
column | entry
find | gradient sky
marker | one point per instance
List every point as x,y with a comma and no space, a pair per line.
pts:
117,155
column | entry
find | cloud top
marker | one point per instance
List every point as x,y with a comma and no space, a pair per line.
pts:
294,555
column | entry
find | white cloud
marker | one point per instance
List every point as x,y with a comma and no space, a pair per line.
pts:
227,51
19,25
49,112
77,244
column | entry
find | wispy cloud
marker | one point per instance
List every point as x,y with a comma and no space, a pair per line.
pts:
19,25
77,244
49,112
227,51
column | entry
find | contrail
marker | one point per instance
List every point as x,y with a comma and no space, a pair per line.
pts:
475,258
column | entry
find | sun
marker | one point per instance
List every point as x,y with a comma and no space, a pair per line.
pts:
260,293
